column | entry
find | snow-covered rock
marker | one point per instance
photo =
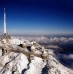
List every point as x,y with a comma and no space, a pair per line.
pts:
16,59
35,66
15,41
55,67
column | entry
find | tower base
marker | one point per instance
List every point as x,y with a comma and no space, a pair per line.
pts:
6,36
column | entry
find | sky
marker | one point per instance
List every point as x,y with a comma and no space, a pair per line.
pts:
37,16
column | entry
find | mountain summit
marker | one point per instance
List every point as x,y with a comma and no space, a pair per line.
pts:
18,56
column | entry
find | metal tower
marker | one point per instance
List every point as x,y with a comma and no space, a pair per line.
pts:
4,21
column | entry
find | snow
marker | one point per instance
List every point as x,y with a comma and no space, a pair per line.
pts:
56,67
0,52
5,59
4,41
22,64
15,41
33,47
36,66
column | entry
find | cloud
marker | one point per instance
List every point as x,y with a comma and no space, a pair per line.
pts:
47,40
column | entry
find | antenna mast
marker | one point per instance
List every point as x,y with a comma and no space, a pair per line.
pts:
4,21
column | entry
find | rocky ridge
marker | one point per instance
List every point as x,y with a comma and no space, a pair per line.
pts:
25,57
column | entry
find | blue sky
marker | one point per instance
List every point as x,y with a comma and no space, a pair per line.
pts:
37,17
